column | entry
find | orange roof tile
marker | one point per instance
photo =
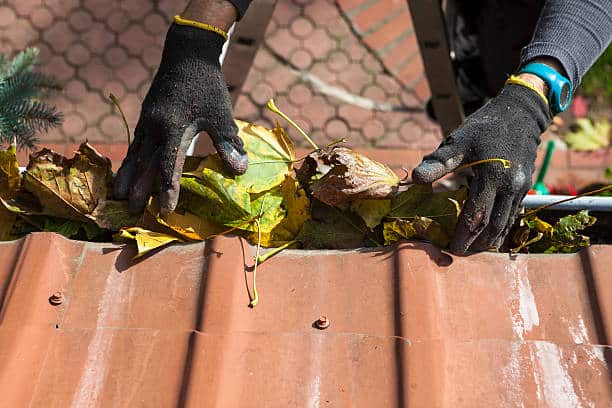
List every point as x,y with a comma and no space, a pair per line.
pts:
410,326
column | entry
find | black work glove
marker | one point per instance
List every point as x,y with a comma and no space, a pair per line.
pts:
506,127
188,95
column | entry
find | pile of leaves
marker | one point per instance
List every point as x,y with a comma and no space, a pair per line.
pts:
335,199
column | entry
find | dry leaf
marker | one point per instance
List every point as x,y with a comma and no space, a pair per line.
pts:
146,240
10,178
352,176
68,188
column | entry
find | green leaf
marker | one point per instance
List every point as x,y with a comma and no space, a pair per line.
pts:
537,236
421,201
331,228
296,211
590,135
418,227
270,153
213,202
371,211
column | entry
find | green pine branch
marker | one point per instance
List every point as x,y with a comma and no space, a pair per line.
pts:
23,113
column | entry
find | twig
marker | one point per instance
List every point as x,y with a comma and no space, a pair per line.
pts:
588,193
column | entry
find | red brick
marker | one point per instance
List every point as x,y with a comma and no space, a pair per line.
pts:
421,90
379,11
412,71
387,33
348,5
400,53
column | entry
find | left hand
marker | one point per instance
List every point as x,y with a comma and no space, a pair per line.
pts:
507,127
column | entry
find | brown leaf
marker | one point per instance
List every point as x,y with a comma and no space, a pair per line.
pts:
69,188
352,176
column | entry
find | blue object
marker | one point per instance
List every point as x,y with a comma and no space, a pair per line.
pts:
560,88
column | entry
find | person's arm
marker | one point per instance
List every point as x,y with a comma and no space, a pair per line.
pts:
570,36
187,95
573,33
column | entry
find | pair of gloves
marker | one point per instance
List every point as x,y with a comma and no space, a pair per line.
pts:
189,95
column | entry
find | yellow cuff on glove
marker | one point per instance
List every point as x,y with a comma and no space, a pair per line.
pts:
203,26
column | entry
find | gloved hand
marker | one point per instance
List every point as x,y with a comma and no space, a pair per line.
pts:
506,127
188,95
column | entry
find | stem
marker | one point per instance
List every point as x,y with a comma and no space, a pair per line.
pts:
255,298
274,109
588,193
506,163
115,101
275,251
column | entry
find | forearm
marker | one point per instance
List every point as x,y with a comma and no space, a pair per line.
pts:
573,32
220,13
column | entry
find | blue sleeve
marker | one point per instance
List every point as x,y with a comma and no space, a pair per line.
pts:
575,32
241,6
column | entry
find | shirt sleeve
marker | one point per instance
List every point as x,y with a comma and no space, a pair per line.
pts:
241,6
575,32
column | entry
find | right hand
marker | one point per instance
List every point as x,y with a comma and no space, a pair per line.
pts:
507,127
188,95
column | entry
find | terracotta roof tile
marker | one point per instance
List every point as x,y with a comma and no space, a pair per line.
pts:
410,325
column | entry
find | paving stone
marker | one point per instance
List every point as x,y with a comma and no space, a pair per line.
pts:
41,18
78,55
102,46
80,20
7,16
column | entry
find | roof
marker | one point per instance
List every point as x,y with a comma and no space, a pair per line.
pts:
410,325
